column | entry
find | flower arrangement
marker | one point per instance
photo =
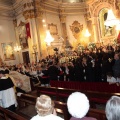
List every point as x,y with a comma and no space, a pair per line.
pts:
92,45
80,48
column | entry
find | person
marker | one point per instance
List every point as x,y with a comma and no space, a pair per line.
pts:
45,109
16,84
111,79
7,93
78,106
116,66
53,71
112,109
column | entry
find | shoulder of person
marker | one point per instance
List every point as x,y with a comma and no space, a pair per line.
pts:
55,117
37,117
84,118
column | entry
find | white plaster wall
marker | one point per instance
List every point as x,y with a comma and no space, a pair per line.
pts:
7,34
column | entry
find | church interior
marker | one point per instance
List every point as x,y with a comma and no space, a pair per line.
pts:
56,48
65,20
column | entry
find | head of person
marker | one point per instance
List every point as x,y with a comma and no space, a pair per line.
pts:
117,56
84,60
2,73
6,71
113,108
78,104
44,105
109,75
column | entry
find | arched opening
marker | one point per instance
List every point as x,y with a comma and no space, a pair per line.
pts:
105,31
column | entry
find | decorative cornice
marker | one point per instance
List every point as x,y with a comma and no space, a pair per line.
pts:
69,8
98,5
32,10
98,2
15,22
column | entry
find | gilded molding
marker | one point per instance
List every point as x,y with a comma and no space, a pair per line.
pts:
93,8
118,5
76,29
62,18
28,5
32,10
29,14
98,2
15,22
87,16
53,29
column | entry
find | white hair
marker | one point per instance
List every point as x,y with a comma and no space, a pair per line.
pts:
78,104
113,108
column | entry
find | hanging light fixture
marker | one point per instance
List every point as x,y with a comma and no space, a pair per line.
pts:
111,19
48,38
87,34
17,48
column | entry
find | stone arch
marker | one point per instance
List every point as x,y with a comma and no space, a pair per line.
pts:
95,9
100,6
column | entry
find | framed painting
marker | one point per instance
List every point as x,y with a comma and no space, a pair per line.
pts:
8,52
53,29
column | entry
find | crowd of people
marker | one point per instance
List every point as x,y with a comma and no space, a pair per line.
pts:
90,65
98,65
78,106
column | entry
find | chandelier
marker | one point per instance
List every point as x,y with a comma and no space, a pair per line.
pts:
111,19
87,34
17,48
48,38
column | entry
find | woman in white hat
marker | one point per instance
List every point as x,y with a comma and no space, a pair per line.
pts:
78,106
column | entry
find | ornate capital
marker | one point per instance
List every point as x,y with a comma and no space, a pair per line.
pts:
28,14
87,16
61,11
62,15
62,18
32,10
118,5
15,22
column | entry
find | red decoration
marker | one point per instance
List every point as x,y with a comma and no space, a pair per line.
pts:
28,30
118,38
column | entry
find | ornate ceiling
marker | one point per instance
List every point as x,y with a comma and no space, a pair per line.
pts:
8,7
7,2
74,1
11,2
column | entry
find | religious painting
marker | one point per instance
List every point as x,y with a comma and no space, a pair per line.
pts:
105,31
22,35
8,53
53,29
